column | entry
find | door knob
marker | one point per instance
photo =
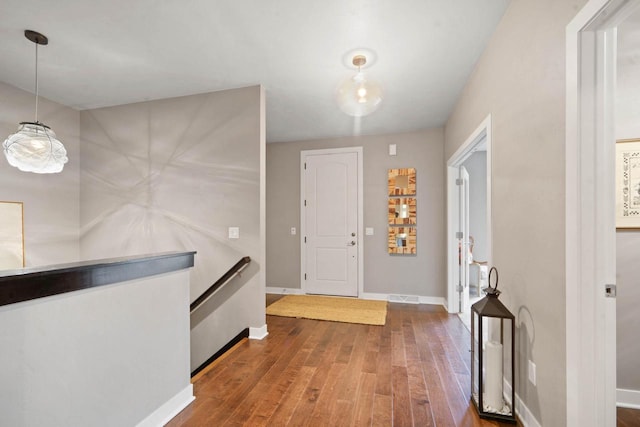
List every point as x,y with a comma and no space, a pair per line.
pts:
353,243
353,234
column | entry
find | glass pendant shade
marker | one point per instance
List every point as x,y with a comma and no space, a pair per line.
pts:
35,148
359,96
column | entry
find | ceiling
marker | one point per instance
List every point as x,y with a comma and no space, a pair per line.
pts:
104,53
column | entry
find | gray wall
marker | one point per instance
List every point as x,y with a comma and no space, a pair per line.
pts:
421,275
476,166
51,201
628,242
96,357
520,81
174,174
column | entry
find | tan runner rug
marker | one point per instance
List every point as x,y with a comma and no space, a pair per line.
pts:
337,309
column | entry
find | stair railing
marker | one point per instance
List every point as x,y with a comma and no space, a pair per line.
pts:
226,277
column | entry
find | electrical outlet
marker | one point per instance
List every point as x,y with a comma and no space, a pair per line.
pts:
369,231
532,372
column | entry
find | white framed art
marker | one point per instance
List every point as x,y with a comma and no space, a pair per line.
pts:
628,184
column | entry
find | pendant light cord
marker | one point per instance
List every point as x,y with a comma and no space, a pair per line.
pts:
36,82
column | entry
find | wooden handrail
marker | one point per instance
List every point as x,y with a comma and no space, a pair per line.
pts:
31,283
237,268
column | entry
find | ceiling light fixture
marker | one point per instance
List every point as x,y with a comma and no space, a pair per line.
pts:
359,96
34,147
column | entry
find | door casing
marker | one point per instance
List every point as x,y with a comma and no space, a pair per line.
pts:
480,134
464,248
590,212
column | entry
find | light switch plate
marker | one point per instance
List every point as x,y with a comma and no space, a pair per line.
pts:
392,149
368,231
234,232
293,231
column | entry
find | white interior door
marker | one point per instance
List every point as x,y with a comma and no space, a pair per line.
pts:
331,224
463,239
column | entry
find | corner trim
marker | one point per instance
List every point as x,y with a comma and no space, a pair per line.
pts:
168,410
258,333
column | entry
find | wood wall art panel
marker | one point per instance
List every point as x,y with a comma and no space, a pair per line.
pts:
402,182
402,211
402,240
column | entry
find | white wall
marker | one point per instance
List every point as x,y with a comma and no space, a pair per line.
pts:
628,79
628,241
105,356
423,274
51,201
174,174
520,81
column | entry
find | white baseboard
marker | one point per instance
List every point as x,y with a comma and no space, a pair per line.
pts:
628,398
407,299
378,297
169,409
258,333
283,291
434,301
524,414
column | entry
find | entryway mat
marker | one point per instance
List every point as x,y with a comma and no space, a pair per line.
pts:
336,309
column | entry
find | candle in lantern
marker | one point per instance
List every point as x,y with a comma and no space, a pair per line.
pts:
493,375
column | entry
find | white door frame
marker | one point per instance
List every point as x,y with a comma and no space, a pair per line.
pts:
482,132
590,215
360,228
463,249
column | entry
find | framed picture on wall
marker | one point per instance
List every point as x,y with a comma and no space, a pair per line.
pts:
628,184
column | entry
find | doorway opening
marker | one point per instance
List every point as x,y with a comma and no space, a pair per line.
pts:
469,221
627,134
473,264
590,215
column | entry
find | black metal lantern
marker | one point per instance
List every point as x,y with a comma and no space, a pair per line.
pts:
492,356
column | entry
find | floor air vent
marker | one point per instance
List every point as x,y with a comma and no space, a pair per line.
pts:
407,299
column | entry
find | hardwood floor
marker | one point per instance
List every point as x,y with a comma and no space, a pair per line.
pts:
414,371
628,417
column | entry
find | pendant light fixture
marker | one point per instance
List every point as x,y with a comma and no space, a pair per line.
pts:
34,147
359,96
